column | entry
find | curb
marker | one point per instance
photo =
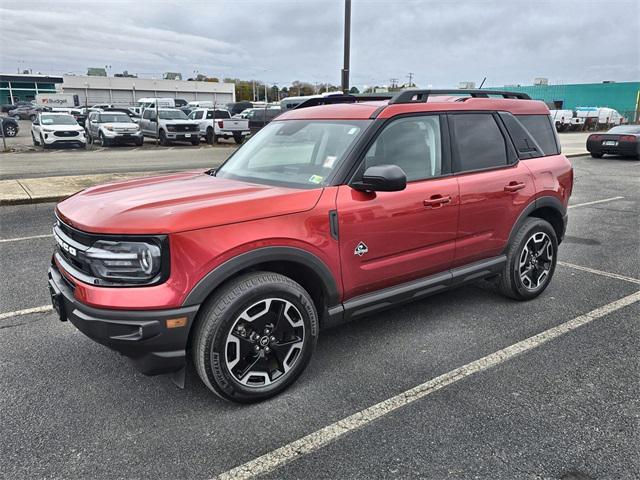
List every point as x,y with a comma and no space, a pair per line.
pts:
573,155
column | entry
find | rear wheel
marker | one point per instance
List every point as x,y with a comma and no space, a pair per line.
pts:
531,260
596,155
210,136
10,130
255,337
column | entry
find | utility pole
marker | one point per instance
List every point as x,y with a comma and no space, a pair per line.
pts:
347,46
410,79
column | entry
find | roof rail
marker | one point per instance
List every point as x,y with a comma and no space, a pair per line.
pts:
421,96
333,99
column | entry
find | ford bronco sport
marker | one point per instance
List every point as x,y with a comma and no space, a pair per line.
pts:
331,212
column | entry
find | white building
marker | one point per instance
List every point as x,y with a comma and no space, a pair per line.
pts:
127,90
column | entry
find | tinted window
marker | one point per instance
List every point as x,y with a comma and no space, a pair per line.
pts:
413,144
146,114
540,129
219,114
632,129
478,142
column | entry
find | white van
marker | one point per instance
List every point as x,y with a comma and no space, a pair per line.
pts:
150,102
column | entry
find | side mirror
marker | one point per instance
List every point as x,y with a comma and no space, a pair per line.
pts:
382,178
94,121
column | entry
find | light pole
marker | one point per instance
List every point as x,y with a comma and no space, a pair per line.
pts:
347,46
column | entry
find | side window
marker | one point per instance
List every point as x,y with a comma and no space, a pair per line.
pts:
198,115
147,114
478,141
412,143
540,128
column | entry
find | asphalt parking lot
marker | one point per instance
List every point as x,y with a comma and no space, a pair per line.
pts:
535,390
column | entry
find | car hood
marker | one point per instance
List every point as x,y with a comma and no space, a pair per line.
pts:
178,202
67,128
120,124
179,122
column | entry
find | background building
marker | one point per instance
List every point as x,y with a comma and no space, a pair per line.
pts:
17,87
621,96
126,90
115,90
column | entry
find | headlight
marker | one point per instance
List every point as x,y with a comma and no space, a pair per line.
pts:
171,128
108,127
45,129
124,262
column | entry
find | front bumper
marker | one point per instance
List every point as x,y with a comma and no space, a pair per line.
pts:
142,336
185,136
51,139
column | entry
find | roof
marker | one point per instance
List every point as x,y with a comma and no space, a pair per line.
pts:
366,110
28,78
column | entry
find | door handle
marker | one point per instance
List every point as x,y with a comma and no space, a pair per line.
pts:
436,201
514,186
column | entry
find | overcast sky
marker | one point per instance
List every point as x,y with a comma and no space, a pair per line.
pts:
441,42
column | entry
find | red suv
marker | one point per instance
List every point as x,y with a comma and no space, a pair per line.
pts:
329,213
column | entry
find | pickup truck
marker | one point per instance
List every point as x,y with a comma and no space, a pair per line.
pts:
220,125
172,125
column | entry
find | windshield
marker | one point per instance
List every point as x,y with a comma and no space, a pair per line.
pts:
172,115
114,118
294,153
57,120
626,129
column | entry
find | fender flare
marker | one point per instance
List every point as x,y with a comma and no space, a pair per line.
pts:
221,273
540,202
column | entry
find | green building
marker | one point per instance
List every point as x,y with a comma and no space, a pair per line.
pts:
621,96
25,87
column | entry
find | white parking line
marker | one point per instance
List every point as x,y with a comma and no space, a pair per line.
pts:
600,272
318,439
19,239
595,202
26,311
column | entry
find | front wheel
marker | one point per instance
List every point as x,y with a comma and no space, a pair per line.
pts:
35,142
103,140
195,141
163,139
531,260
255,337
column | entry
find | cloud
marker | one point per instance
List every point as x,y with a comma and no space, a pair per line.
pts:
441,42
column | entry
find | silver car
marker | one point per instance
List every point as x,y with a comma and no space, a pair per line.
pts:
112,127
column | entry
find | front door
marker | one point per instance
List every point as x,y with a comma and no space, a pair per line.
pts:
388,238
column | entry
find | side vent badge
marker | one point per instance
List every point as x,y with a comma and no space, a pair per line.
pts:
361,249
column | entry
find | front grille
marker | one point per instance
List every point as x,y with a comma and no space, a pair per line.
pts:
69,242
66,134
183,128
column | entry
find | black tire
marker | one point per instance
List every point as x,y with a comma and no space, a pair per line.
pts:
44,145
32,117
209,136
139,142
596,155
213,343
35,142
10,130
237,137
163,139
105,142
195,141
511,281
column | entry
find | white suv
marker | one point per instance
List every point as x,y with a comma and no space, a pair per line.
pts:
57,129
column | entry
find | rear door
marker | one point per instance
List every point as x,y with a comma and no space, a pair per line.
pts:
494,186
388,238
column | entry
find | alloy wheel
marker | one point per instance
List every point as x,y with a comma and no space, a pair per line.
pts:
535,261
264,342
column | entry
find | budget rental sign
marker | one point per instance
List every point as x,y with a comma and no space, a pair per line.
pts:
65,100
